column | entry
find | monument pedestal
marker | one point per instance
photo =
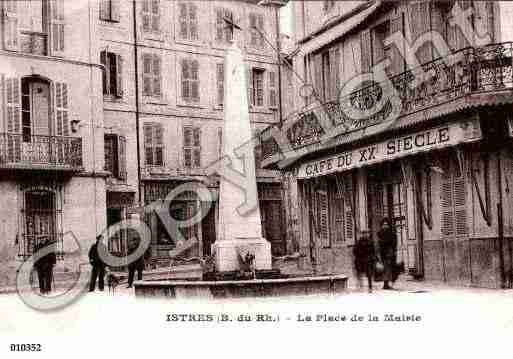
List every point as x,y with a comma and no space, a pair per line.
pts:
227,253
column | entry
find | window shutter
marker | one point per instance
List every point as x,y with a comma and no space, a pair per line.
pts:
220,83
187,144
155,15
337,216
183,20
261,28
437,23
146,15
317,74
322,198
460,211
397,66
334,71
103,61
185,79
220,26
249,76
446,210
366,51
257,149
193,21
157,76
419,21
254,33
148,144
57,26
115,10
348,210
220,142
147,78
11,25
272,89
61,109
119,76
122,158
108,147
461,41
13,113
195,80
159,144
105,9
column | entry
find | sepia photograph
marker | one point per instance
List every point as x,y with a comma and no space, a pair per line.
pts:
251,178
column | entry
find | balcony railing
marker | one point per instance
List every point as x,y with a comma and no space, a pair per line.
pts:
40,152
468,71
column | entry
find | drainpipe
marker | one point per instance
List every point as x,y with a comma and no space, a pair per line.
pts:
137,120
500,221
278,48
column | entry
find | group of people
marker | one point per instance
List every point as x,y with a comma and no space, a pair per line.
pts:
99,266
368,261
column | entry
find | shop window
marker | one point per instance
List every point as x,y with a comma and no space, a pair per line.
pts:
115,156
153,144
453,212
112,74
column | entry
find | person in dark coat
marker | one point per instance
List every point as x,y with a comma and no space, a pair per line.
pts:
388,251
137,265
44,266
364,260
98,270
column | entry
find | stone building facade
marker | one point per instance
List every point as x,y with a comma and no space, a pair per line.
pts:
432,153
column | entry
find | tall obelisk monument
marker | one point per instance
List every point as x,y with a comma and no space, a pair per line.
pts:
240,229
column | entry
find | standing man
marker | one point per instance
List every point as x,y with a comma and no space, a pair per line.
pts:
44,265
97,264
364,260
137,265
387,250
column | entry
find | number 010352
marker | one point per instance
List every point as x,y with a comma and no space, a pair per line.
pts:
26,347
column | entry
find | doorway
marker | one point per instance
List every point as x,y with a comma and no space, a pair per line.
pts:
40,219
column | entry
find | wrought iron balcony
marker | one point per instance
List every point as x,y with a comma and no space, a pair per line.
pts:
24,152
464,73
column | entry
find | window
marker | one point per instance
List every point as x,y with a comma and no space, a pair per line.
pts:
152,75
328,5
257,149
325,66
28,27
341,203
151,16
219,142
453,213
188,21
381,32
256,26
191,147
190,80
112,74
153,144
256,87
224,33
109,10
272,89
115,155
220,83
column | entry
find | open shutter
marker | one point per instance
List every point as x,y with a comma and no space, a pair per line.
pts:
122,157
157,76
272,89
257,149
195,80
253,32
397,65
260,25
146,15
119,76
337,216
57,27
460,210
348,210
220,25
335,72
13,114
155,15
323,220
185,79
419,22
187,147
193,21
182,20
115,10
220,141
148,144
461,41
103,61
159,144
197,147
220,83
317,74
61,109
366,51
446,208
10,24
249,78
438,22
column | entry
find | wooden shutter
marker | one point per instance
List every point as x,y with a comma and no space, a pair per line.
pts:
253,32
334,72
11,24
446,208
461,41
157,76
155,15
337,216
460,210
108,147
61,109
13,112
193,21
187,146
146,15
119,76
195,81
122,158
251,98
348,210
57,26
115,10
257,148
220,142
419,22
184,64
197,147
148,144
182,20
220,25
438,23
220,83
147,75
272,89
317,74
159,144
103,61
323,219
260,20
105,9
366,51
397,65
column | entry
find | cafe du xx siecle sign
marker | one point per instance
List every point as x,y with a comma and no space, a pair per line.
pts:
406,145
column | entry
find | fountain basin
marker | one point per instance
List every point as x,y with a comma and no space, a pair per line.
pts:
180,289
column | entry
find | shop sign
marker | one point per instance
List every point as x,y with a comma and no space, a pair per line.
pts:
406,145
